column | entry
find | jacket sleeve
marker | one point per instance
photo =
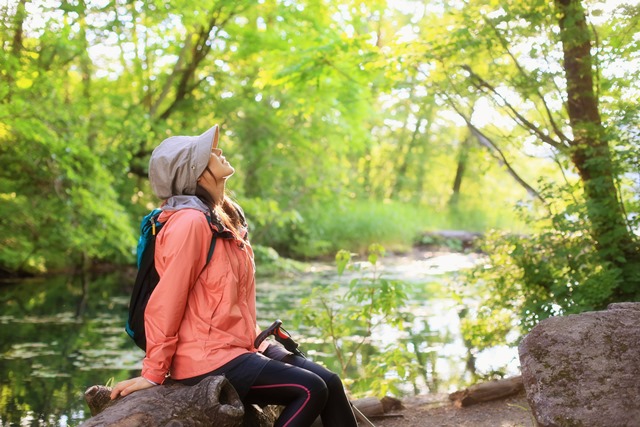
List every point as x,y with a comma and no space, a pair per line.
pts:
181,251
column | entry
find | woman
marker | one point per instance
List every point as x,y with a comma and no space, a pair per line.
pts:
201,318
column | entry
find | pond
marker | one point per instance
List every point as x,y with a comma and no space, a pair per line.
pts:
60,335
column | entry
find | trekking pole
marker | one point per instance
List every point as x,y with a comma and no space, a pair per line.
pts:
360,416
284,338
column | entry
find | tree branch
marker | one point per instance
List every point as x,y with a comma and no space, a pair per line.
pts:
596,62
499,155
496,153
169,83
199,51
482,84
526,75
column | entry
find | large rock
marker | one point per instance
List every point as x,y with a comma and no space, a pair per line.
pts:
584,369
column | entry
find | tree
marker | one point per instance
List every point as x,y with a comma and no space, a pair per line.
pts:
590,152
534,63
323,105
59,207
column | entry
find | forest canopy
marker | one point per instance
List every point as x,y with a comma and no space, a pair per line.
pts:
349,122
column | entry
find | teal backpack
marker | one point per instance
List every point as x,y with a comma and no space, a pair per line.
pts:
147,277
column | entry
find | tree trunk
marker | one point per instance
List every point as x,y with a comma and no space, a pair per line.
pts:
591,153
212,402
463,155
403,150
86,72
486,142
404,154
12,62
21,13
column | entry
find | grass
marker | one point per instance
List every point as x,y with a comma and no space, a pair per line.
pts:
355,224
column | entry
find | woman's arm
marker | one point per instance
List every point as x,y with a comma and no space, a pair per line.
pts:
181,252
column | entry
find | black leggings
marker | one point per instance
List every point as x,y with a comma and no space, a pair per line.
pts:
306,389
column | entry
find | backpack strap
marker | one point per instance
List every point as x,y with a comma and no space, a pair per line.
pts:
151,220
212,246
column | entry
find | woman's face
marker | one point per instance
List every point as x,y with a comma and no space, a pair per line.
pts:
218,169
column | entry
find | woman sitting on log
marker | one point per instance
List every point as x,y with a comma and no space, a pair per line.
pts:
201,318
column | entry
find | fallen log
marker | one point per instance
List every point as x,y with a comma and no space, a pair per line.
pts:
391,404
213,401
466,239
485,392
371,408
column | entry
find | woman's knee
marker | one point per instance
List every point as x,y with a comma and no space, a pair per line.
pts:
330,378
318,389
333,383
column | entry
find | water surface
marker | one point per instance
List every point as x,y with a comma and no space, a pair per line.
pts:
60,335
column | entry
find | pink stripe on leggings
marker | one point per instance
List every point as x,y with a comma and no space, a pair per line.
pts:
289,385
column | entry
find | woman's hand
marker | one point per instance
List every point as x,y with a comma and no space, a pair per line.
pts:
129,386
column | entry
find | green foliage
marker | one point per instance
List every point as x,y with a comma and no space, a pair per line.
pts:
528,278
340,135
327,226
580,251
355,225
486,327
62,209
270,263
96,118
347,318
347,124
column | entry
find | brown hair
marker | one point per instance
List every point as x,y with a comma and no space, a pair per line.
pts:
226,212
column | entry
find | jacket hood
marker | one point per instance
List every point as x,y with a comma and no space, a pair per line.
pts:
176,164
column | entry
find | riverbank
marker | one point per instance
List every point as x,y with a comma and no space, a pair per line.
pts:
435,410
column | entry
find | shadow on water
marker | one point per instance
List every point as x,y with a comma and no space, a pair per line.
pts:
60,335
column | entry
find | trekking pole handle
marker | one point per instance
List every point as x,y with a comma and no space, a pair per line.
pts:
281,335
271,330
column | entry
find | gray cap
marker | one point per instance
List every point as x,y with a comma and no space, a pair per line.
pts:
177,163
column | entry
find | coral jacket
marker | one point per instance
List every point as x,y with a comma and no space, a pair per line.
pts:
197,320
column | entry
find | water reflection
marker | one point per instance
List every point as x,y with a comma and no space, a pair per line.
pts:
55,341
433,335
61,335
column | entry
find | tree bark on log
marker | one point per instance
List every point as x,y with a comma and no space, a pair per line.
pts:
372,407
439,238
369,406
485,392
213,401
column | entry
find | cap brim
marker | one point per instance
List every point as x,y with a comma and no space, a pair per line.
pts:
216,136
205,143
